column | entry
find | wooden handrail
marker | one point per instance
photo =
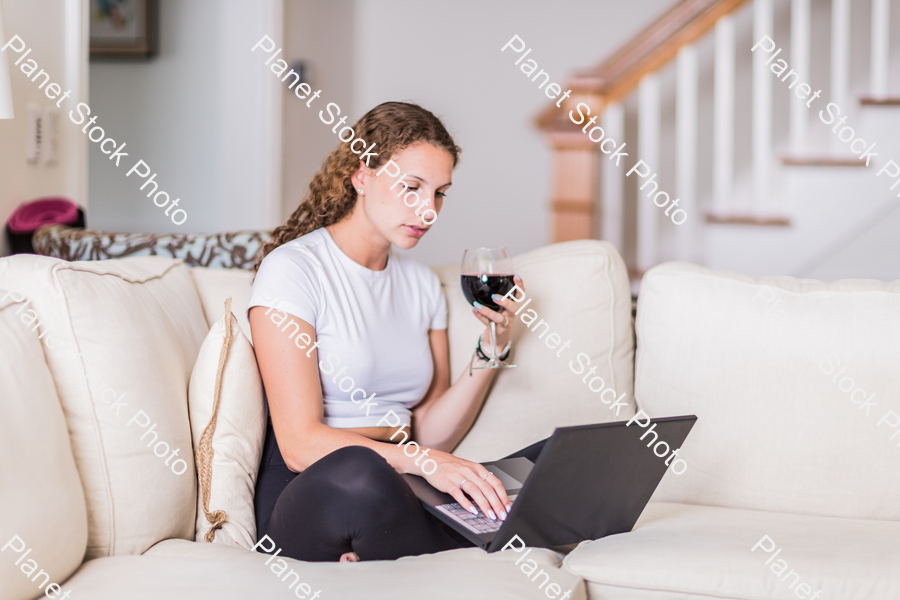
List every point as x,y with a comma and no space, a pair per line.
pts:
647,52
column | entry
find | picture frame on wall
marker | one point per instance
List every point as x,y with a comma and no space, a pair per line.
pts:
123,28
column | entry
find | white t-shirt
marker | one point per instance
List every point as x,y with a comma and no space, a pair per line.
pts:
371,326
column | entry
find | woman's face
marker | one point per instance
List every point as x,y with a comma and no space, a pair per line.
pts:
427,171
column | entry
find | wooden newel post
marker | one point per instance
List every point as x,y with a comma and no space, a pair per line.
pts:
574,183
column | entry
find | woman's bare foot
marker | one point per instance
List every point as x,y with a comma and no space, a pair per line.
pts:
349,557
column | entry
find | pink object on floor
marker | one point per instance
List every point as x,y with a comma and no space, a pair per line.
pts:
43,211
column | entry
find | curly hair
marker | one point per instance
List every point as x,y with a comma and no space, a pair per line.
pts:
392,126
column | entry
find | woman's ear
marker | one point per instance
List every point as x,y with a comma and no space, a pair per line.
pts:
360,178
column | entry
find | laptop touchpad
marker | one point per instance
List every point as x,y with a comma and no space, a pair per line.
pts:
508,481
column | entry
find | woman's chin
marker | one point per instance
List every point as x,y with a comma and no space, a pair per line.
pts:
405,241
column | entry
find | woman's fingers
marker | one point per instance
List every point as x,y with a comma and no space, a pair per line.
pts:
460,497
494,482
479,494
481,317
518,281
491,315
492,496
508,303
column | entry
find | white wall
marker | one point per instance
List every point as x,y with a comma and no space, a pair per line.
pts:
56,31
205,114
446,57
315,32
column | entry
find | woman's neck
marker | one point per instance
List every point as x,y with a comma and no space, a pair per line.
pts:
358,239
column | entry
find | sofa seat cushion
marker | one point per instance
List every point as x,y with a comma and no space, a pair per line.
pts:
580,293
177,569
691,552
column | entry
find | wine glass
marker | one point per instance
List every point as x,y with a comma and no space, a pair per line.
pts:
487,271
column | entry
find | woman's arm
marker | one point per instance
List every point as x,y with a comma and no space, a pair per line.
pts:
294,393
447,412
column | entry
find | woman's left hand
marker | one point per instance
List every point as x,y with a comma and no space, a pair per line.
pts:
504,318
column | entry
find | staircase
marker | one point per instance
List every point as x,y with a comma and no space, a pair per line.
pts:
767,187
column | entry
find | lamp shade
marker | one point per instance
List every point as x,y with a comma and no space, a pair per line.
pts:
6,104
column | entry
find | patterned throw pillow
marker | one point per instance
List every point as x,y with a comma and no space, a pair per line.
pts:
236,250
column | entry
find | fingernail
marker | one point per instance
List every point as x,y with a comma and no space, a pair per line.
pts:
517,277
509,507
492,515
502,516
473,510
496,297
478,305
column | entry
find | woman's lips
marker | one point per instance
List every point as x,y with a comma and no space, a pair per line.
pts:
415,231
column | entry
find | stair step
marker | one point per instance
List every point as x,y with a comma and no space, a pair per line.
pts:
879,100
739,219
797,160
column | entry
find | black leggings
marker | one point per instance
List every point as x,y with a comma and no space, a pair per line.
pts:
351,500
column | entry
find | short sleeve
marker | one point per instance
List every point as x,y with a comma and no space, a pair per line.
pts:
439,313
288,280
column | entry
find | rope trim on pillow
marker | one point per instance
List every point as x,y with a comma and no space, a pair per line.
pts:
205,450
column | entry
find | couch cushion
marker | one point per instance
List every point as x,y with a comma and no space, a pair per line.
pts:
581,290
216,285
177,569
41,498
128,332
679,551
778,372
236,434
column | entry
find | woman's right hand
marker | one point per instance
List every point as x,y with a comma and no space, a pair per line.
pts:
478,483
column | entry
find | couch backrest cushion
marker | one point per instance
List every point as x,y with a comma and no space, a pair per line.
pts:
41,499
581,290
127,333
794,384
217,285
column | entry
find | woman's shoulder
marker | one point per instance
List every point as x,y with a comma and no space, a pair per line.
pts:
303,251
298,261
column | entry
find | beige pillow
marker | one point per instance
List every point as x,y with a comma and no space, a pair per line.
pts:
43,520
581,290
133,327
228,422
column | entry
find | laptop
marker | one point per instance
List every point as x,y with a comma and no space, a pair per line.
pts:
589,481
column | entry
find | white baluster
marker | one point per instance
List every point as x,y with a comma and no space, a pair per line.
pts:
840,59
648,151
881,26
800,26
613,123
723,128
762,109
686,153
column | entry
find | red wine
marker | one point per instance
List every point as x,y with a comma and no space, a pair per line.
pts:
478,288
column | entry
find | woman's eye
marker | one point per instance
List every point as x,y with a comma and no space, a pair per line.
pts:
441,194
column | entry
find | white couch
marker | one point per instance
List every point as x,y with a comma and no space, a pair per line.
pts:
778,450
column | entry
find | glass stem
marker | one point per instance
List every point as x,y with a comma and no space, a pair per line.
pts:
493,342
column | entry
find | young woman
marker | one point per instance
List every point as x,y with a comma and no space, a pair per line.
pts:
374,328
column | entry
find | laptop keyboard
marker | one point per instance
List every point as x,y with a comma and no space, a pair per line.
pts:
479,523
